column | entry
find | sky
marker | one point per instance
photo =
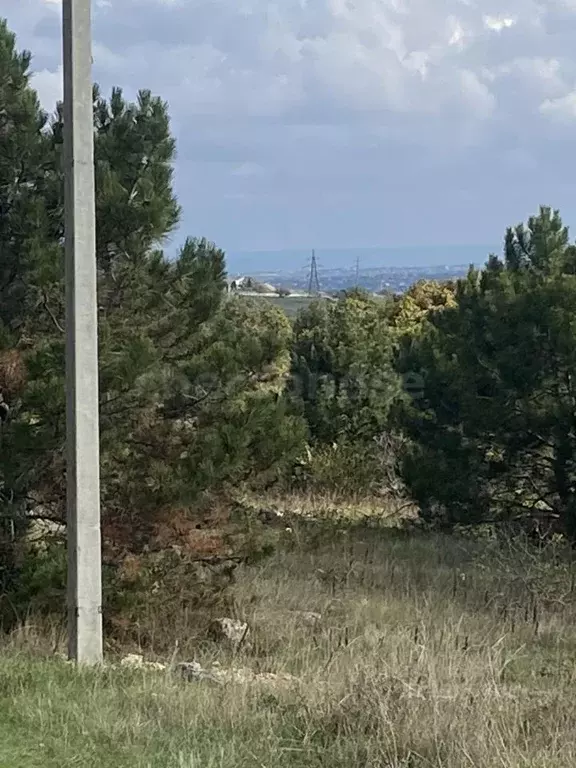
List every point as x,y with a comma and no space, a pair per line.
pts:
340,124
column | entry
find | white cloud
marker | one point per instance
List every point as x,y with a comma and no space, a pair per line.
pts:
49,86
457,33
498,23
477,95
562,109
362,56
530,80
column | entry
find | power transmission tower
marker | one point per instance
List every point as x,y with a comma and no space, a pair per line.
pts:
82,433
313,282
357,271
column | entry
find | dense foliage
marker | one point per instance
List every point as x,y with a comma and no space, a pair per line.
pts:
344,380
343,367
495,435
191,384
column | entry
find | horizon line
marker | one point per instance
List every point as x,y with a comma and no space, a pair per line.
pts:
466,264
357,248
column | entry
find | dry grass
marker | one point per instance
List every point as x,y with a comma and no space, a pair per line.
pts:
333,507
432,651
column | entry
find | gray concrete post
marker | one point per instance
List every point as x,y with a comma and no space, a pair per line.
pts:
82,433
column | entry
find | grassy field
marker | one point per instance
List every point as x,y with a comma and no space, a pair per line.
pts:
290,304
431,651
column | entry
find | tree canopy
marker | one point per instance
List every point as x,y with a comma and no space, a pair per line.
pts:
191,384
343,367
495,435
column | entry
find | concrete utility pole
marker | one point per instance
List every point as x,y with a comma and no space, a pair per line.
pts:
82,433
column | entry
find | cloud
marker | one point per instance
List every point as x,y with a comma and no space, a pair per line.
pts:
498,23
301,107
248,169
49,85
258,58
562,109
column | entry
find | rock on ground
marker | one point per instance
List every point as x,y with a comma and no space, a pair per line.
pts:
136,660
230,631
192,671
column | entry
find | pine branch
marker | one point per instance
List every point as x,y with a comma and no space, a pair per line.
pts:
51,313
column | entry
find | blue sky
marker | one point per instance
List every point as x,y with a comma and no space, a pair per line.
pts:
344,123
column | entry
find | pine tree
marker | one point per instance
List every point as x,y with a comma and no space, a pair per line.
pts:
190,383
495,436
23,223
343,368
23,165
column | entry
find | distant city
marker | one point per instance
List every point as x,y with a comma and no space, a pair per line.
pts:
375,270
374,280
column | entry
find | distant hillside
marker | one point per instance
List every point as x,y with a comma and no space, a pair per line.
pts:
250,262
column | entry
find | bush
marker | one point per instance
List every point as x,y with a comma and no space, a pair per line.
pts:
342,468
35,583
